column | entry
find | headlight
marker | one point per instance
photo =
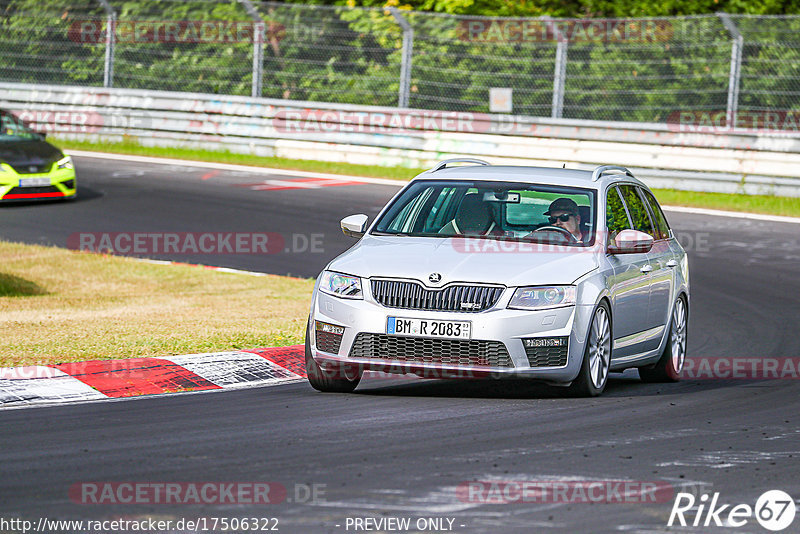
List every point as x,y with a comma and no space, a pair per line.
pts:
341,285
542,297
65,163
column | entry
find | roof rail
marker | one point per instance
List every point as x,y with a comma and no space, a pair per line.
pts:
602,169
442,164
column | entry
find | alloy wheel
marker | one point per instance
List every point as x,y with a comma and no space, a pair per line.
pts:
678,335
599,348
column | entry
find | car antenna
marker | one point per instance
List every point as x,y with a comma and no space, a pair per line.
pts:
564,166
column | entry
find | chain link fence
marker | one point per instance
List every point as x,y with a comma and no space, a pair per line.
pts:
635,70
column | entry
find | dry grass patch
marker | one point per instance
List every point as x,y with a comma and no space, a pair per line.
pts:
58,306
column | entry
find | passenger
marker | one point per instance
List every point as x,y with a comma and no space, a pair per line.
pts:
474,217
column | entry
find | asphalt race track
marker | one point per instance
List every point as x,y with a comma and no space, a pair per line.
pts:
402,448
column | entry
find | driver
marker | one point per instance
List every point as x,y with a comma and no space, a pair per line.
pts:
563,213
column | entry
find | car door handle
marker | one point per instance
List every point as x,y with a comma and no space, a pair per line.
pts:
672,263
647,269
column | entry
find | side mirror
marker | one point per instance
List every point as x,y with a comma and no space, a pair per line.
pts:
354,225
631,242
42,135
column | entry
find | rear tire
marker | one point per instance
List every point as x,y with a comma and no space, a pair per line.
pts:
340,379
669,366
593,376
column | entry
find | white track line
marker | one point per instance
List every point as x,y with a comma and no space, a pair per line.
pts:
380,181
233,167
210,267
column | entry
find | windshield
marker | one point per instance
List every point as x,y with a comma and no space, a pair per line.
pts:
13,129
492,210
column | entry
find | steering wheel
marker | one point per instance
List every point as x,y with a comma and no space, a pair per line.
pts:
564,231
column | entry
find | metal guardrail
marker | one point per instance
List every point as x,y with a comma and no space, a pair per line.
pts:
739,161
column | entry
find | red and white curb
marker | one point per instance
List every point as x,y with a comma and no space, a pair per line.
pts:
114,379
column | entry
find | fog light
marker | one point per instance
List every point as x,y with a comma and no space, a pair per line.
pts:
546,351
535,342
328,337
332,328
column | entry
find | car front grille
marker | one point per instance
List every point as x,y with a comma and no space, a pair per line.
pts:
459,352
328,341
455,298
547,356
33,169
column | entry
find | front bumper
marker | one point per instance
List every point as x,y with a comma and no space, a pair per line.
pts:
497,324
57,183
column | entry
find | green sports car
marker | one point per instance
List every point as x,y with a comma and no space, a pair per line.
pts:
30,167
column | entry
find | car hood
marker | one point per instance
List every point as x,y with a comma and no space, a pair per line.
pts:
19,154
459,260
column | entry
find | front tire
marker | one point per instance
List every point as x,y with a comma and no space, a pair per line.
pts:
341,379
593,376
669,366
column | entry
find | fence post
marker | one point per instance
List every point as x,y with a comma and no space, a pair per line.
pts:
405,64
734,79
258,48
111,38
560,71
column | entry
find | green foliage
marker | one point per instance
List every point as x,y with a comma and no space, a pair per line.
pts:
338,53
586,8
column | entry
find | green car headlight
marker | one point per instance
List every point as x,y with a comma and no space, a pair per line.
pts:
542,297
341,285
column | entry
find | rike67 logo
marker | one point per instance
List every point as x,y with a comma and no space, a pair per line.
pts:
774,510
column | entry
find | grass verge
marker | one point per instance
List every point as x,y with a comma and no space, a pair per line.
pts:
772,205
58,306
766,204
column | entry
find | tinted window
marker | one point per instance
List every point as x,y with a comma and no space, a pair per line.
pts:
616,218
662,227
636,209
12,129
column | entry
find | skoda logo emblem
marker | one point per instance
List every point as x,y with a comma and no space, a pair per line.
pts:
435,278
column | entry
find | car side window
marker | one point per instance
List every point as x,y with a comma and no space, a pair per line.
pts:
443,209
404,221
638,212
616,216
662,227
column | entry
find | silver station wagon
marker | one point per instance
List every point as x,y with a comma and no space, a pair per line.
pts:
484,271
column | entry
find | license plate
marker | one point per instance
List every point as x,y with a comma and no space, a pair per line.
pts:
400,326
33,182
